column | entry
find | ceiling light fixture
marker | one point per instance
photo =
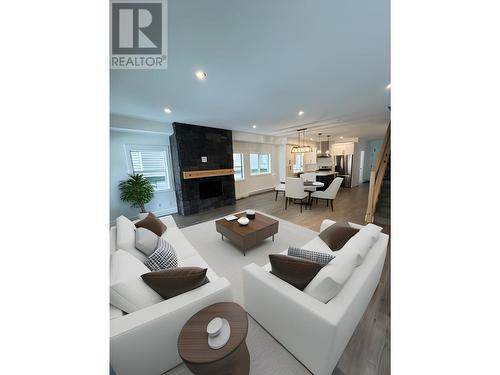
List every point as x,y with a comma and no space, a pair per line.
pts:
341,137
388,87
200,75
167,110
254,126
301,147
301,112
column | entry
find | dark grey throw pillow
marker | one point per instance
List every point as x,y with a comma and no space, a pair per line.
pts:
164,257
321,258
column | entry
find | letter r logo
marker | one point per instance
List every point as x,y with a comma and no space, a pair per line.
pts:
136,28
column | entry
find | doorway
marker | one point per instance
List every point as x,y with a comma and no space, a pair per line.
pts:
362,167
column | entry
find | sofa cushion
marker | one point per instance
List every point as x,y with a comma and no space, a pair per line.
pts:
182,246
314,256
115,312
164,257
128,291
175,281
336,236
125,237
146,241
152,223
295,271
361,243
332,277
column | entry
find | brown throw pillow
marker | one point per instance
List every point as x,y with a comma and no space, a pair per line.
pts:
172,282
295,271
337,235
152,223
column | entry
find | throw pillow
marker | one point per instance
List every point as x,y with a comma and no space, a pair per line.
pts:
127,290
332,277
164,257
146,241
172,282
152,223
362,242
337,235
320,258
295,271
125,237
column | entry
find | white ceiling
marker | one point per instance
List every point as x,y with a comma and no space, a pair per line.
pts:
266,60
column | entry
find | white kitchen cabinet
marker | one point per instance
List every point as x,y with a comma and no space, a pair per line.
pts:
343,148
310,157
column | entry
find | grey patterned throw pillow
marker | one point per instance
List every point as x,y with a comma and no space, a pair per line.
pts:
164,257
314,256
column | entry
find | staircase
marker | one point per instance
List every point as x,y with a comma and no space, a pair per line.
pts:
383,209
379,196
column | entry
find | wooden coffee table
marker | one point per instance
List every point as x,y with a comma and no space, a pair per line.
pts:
247,236
232,359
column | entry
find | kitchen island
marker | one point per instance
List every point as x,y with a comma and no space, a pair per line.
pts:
325,177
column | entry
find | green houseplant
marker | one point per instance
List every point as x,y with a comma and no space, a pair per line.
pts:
136,190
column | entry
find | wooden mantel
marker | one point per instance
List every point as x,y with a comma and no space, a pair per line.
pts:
207,173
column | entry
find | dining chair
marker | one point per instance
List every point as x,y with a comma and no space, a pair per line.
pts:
330,193
294,189
279,186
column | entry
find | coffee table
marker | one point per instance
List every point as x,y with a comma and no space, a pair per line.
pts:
232,359
247,236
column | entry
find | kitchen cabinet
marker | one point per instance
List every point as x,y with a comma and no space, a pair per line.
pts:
343,148
310,157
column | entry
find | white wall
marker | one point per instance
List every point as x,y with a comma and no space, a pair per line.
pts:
163,203
255,184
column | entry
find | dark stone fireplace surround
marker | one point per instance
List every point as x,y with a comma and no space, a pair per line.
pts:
188,144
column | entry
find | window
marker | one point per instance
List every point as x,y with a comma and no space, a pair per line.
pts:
150,161
298,165
238,167
260,164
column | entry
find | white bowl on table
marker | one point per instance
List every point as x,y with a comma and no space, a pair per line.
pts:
243,221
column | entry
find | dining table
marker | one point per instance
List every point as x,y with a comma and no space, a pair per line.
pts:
310,187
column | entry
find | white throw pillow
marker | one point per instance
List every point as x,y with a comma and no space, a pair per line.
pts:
362,242
125,237
332,277
128,291
146,241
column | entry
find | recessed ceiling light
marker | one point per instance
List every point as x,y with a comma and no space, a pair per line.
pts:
200,75
167,110
388,87
254,126
310,139
341,137
301,112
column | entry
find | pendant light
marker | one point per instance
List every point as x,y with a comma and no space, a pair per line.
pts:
319,151
328,143
301,147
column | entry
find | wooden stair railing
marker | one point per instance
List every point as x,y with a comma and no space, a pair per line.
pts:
377,176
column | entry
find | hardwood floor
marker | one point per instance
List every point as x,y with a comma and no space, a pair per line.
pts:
368,351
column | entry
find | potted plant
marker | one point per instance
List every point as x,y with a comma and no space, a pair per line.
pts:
138,191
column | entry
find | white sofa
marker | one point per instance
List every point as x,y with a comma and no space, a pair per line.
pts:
316,333
145,341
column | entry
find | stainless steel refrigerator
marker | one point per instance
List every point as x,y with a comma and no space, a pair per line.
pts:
343,165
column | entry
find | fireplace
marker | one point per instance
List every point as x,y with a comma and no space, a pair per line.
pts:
202,159
210,189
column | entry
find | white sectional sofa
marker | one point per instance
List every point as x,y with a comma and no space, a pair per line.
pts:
316,333
145,341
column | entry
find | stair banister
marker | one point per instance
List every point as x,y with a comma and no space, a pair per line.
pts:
377,176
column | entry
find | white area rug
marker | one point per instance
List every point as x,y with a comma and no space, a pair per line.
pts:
227,260
267,356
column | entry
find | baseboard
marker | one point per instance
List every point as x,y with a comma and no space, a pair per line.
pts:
255,192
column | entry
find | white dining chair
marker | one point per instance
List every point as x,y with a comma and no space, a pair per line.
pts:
279,186
294,189
309,176
330,193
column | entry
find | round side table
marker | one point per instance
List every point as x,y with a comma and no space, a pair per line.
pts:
232,359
